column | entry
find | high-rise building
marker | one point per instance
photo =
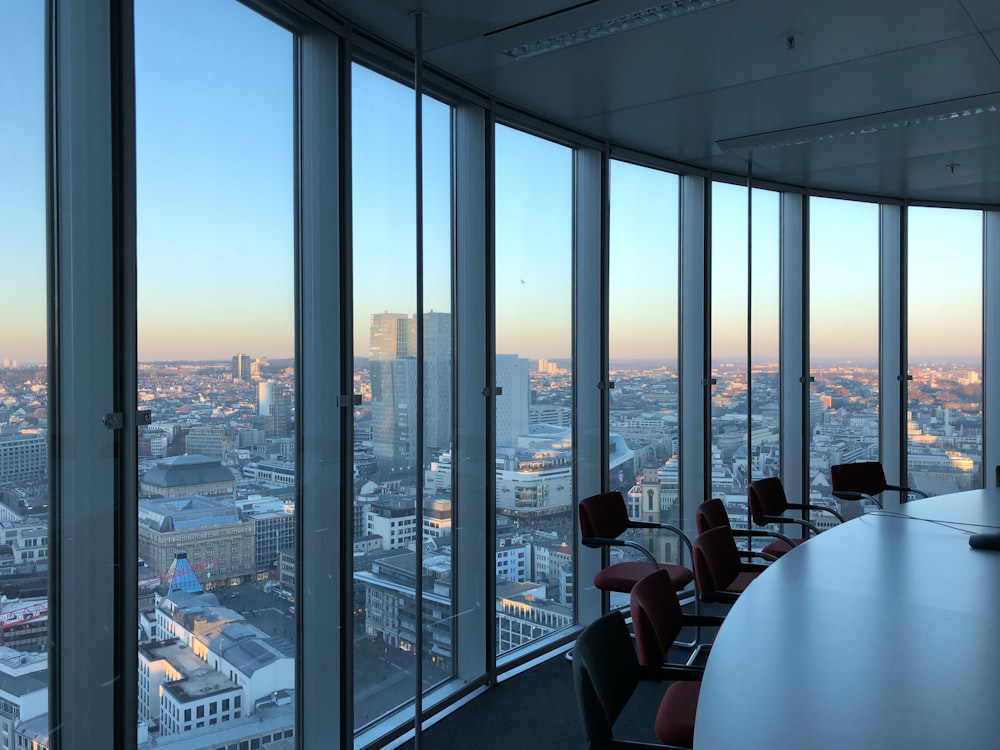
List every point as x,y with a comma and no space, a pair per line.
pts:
241,367
512,404
393,368
437,383
265,395
278,422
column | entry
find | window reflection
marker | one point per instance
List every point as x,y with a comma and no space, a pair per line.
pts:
216,345
944,420
24,379
644,439
534,413
843,408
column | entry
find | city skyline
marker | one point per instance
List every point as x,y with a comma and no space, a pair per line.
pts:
192,163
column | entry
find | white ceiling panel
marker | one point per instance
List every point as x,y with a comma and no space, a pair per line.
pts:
675,87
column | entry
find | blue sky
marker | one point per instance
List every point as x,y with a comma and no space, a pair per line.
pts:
215,154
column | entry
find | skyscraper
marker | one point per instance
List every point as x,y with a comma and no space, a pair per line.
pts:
437,383
241,367
265,395
393,368
278,421
513,403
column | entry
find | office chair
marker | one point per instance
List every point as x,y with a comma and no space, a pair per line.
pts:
603,518
657,619
605,674
712,514
720,573
768,505
865,479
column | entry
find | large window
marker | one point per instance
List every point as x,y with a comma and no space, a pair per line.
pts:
745,349
642,342
402,463
843,340
534,412
945,342
24,380
216,348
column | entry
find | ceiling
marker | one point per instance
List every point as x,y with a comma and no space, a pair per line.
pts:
680,87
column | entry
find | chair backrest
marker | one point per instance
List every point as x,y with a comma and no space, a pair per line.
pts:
711,514
605,673
603,515
867,477
766,498
657,617
716,560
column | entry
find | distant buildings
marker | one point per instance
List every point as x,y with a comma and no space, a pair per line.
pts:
24,694
23,458
393,373
217,540
512,405
211,668
190,474
241,367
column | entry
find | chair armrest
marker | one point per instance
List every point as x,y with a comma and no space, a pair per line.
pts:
807,506
672,672
601,541
806,525
752,568
849,495
722,597
707,621
763,556
907,490
665,527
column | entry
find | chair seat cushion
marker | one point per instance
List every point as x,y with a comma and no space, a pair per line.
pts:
780,547
675,717
740,583
623,576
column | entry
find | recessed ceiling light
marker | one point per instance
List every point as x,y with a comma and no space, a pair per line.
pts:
629,21
953,109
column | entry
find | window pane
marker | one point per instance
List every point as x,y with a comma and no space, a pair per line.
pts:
843,342
387,465
945,342
734,277
216,338
24,382
534,414
644,408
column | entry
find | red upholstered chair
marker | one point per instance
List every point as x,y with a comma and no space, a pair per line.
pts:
866,479
768,505
712,514
657,619
605,674
603,519
720,573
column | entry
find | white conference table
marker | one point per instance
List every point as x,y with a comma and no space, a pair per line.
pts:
881,633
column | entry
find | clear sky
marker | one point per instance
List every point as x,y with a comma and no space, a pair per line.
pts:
215,151
22,182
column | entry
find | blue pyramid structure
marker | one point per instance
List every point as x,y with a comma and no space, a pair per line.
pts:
181,577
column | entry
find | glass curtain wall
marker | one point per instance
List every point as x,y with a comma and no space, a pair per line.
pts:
642,349
24,379
216,348
744,347
534,412
843,410
944,349
391,479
